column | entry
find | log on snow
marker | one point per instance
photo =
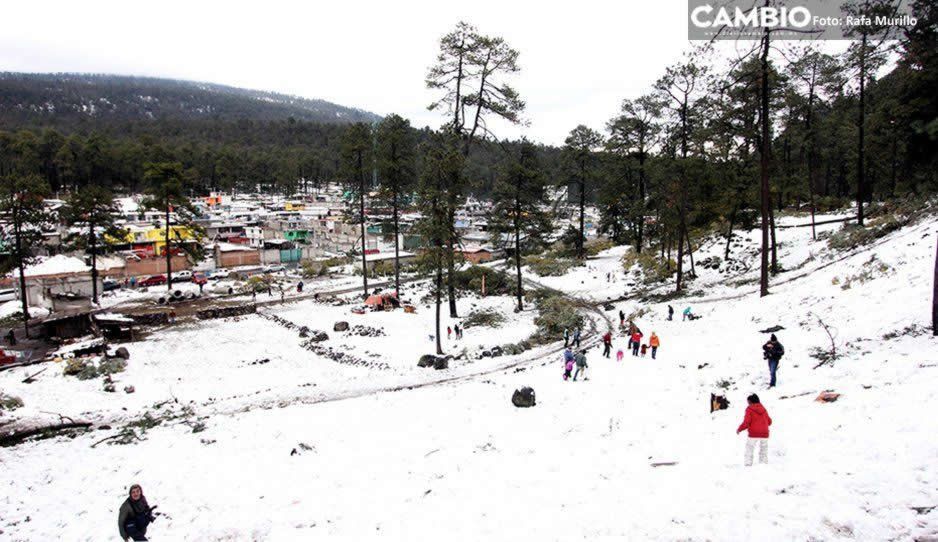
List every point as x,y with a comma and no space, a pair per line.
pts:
16,437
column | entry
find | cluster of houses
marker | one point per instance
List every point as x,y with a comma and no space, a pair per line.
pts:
237,232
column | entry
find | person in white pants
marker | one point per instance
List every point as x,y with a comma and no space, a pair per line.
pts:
757,422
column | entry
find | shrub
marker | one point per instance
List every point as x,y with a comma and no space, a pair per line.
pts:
555,314
651,268
496,282
484,318
549,266
595,246
10,402
884,218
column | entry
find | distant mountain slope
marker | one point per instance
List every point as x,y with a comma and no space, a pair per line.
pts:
64,98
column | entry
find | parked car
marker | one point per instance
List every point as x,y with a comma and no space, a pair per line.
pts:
7,294
152,280
218,274
183,275
199,278
274,268
110,284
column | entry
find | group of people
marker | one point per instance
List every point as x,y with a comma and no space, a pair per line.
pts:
570,359
455,329
571,339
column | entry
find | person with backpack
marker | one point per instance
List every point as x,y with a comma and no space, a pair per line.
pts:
580,365
607,344
757,422
135,515
654,342
773,351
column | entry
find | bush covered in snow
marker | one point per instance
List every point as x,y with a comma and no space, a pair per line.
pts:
10,402
648,266
496,282
484,318
556,313
549,266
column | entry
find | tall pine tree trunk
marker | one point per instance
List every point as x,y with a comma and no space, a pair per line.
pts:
861,181
765,206
518,251
92,243
361,217
641,195
774,246
397,255
680,253
934,299
169,253
451,275
729,233
439,296
580,240
21,265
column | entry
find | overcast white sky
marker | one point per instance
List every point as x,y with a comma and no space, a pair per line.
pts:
579,59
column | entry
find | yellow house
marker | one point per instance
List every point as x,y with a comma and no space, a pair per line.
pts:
294,206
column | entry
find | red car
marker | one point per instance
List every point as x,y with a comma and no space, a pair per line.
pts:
199,278
153,280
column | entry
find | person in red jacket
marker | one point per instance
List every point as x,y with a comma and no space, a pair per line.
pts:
757,421
607,344
636,341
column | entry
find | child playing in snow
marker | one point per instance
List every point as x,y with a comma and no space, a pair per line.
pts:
644,349
568,370
757,422
619,355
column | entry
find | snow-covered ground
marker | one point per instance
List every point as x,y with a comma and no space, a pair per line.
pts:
457,460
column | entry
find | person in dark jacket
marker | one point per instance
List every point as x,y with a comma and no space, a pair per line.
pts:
670,312
773,352
134,516
576,337
580,365
607,344
757,422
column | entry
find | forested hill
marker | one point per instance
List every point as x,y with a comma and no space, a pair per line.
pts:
70,101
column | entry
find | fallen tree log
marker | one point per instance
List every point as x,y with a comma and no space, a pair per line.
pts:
16,437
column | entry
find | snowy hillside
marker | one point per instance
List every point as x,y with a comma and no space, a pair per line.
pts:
303,447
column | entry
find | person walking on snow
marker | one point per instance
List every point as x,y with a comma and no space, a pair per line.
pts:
458,331
580,365
644,349
636,341
757,421
773,352
568,361
621,319
654,342
619,355
670,312
134,515
576,337
607,344
566,337
449,332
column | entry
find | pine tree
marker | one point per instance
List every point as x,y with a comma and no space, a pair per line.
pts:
580,152
357,147
442,162
396,172
518,217
166,193
93,211
21,204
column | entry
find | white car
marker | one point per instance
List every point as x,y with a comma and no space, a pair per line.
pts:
183,275
274,269
217,274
